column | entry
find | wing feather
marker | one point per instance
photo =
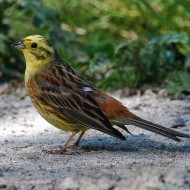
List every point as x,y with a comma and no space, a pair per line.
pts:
72,100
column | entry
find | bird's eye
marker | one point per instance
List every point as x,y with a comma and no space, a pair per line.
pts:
34,45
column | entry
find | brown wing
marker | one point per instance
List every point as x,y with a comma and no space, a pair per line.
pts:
65,91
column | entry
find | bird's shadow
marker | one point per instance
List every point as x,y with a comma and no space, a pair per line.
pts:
132,144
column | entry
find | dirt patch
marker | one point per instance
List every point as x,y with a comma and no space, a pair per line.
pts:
144,161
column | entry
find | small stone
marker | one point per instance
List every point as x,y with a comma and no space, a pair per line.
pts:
179,122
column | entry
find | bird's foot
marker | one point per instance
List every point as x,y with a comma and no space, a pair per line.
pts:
61,151
70,150
74,147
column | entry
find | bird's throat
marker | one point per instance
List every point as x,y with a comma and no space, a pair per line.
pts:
32,68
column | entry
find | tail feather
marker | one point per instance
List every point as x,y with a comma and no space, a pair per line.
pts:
139,122
124,128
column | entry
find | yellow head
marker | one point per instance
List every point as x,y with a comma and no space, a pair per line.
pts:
38,52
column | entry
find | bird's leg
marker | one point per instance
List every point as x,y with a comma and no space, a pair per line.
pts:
75,145
79,138
63,150
68,142
72,149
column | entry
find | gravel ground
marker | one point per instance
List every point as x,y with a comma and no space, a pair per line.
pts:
145,161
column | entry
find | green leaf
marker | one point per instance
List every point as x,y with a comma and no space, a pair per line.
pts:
173,37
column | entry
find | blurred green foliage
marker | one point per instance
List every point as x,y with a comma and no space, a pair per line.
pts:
116,44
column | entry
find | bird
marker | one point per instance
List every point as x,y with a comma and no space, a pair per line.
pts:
68,101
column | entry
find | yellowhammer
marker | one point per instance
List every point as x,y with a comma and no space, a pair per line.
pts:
70,102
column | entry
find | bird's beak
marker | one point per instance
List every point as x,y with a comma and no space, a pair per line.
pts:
19,45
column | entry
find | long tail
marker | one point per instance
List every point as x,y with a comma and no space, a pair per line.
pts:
155,128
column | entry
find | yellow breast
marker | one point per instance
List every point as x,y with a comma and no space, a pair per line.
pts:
51,115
